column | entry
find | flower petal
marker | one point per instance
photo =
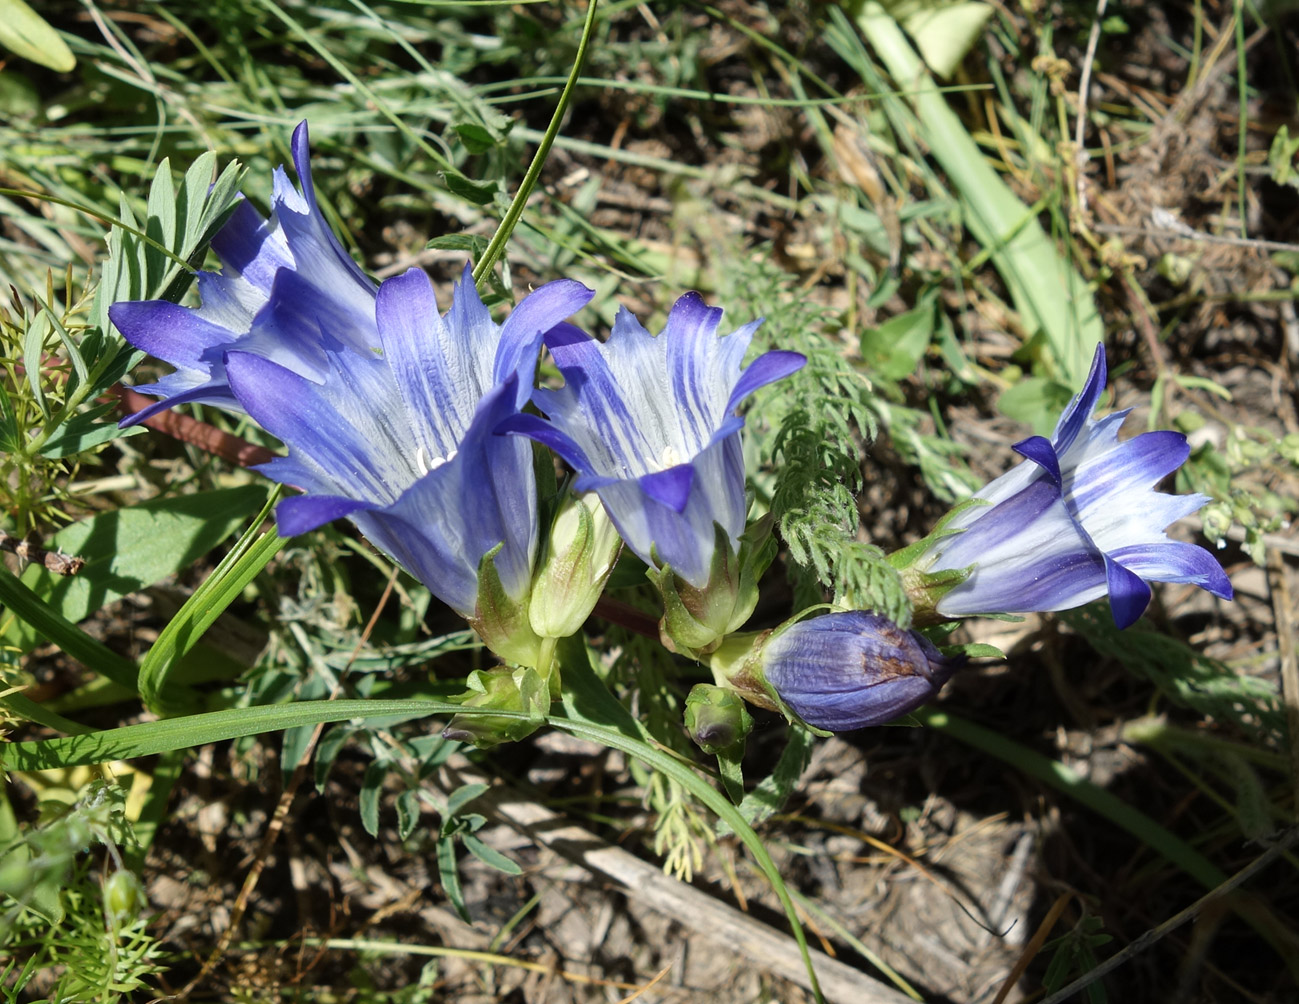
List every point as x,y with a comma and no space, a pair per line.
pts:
174,392
1080,409
252,248
303,415
303,513
670,487
171,332
594,412
531,318
1129,595
767,368
429,370
1039,450
1130,467
1176,561
536,428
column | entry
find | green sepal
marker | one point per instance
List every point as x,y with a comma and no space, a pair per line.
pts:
974,650
737,665
520,689
731,770
904,558
501,621
696,620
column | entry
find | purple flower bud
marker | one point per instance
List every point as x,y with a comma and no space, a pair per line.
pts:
843,671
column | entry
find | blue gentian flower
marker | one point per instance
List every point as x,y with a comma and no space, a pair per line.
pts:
839,671
278,276
649,423
401,441
1078,520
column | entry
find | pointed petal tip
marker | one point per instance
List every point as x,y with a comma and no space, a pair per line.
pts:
670,487
1129,594
301,148
303,513
1039,450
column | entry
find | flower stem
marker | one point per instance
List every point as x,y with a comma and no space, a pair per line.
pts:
511,218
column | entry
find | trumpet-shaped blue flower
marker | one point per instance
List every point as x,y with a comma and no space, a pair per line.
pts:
278,275
1078,520
650,424
402,441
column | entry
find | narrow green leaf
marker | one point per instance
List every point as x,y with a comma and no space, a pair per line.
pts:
480,193
160,223
894,349
24,707
146,739
461,797
477,139
371,789
36,617
25,33
34,358
475,244
327,750
194,195
86,431
246,559
407,813
772,792
730,767
449,876
489,855
10,437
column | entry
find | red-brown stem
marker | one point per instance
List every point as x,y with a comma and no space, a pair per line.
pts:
625,615
190,430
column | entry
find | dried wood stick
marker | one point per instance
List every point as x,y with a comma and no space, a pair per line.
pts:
53,561
766,947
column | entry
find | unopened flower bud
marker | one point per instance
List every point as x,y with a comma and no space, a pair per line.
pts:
838,671
519,690
124,897
716,718
580,554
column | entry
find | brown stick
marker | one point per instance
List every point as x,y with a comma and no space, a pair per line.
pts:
53,561
694,909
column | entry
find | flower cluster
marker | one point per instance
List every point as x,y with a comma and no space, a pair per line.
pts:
420,429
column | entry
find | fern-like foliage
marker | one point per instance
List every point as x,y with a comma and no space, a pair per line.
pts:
807,433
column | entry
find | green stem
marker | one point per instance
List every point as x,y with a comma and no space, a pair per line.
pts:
497,245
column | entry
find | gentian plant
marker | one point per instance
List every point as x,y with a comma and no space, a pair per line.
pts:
650,424
413,426
1079,519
